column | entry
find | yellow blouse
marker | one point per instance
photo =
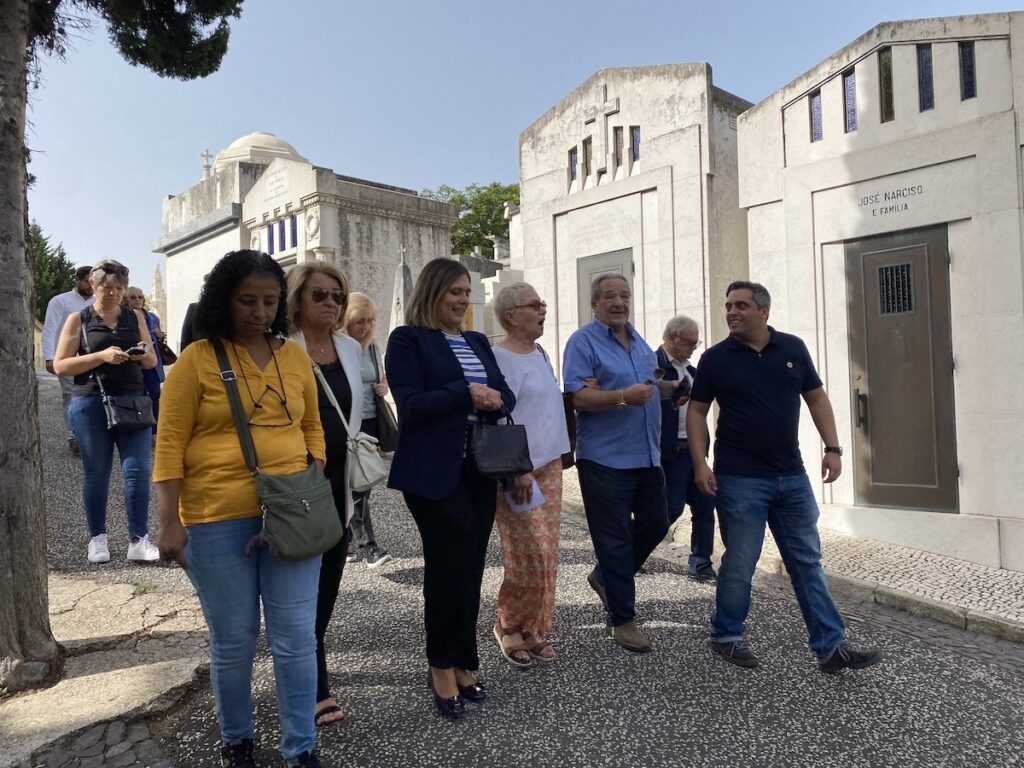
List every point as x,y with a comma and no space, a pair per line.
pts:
196,438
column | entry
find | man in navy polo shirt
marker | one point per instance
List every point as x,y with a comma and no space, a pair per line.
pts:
758,375
617,451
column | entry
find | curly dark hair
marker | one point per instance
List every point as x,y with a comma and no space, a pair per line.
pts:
213,314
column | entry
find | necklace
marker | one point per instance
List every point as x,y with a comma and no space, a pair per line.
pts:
257,403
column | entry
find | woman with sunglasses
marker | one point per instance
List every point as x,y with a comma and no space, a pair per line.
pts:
210,517
317,299
444,378
529,536
119,348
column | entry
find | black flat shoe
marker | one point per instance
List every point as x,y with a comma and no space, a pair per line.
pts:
453,708
474,693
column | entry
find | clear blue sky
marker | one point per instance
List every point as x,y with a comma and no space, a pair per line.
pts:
407,92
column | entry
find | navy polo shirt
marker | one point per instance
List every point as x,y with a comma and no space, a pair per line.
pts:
758,396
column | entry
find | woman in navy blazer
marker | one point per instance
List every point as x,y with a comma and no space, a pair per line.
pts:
443,378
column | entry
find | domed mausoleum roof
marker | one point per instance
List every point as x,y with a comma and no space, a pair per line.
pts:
259,147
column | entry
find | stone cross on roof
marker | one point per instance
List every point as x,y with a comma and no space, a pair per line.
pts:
604,109
207,157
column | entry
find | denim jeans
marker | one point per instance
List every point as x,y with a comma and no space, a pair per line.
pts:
627,518
681,489
788,506
230,586
96,446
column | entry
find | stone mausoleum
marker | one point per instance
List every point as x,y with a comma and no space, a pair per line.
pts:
261,193
879,198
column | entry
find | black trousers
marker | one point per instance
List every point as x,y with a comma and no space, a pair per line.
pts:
332,566
361,523
455,532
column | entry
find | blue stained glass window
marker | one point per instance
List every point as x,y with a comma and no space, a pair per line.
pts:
850,100
573,157
270,239
968,84
815,106
925,82
295,231
280,236
634,141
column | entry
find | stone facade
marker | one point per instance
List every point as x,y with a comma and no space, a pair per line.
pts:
937,154
262,194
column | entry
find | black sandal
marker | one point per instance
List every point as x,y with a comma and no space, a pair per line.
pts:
329,710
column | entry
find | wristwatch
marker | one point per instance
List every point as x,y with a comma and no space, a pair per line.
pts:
834,449
622,400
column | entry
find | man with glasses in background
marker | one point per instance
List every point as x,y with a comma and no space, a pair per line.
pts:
679,342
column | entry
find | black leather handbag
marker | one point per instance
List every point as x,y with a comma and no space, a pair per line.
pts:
501,451
387,426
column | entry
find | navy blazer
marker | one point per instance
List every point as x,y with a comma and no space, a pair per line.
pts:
433,400
670,415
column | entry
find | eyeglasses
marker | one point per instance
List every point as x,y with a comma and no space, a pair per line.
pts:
320,295
536,306
136,298
689,343
261,414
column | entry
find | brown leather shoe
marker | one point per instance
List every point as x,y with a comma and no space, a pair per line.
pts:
629,637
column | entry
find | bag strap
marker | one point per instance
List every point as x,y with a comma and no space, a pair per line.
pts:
85,314
373,358
227,375
330,396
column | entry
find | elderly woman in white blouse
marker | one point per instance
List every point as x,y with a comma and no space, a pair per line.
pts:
529,536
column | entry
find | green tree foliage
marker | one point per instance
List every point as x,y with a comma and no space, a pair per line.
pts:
52,273
481,213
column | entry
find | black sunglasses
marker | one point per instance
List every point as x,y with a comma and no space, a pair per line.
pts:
320,294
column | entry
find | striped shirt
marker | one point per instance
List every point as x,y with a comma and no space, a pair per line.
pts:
471,365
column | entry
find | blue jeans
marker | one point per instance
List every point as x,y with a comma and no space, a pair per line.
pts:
681,489
627,518
230,586
96,446
788,506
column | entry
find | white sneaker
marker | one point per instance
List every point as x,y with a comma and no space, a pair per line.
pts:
142,550
98,551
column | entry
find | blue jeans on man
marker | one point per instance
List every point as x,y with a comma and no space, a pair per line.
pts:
788,506
680,489
627,519
231,585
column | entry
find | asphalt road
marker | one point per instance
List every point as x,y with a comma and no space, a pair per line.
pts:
942,696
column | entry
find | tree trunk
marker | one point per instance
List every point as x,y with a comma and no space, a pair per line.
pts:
28,653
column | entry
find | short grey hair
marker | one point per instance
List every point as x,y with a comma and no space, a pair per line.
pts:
595,286
679,325
761,296
507,299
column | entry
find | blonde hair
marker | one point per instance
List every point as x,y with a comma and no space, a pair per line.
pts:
434,281
297,281
359,304
507,299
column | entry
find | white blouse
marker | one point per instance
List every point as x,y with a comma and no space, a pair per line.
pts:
538,403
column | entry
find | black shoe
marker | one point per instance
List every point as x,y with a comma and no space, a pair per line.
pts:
376,556
474,693
707,576
307,759
737,653
598,587
848,657
237,755
73,446
453,708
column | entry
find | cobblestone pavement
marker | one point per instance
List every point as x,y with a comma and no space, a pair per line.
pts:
943,696
116,745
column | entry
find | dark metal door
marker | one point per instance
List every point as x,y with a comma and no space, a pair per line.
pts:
589,267
901,370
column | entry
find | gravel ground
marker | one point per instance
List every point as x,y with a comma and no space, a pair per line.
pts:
943,696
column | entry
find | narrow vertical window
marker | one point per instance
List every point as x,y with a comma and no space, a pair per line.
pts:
850,100
573,155
814,102
968,85
925,81
618,146
295,231
588,156
888,112
280,236
270,239
634,141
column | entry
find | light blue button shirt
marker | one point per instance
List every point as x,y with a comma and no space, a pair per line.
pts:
621,438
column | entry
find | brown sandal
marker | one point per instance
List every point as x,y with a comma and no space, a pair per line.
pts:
518,654
537,646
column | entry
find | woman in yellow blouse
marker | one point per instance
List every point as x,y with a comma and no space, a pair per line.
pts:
209,512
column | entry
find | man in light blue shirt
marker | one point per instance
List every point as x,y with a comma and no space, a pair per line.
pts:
618,453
